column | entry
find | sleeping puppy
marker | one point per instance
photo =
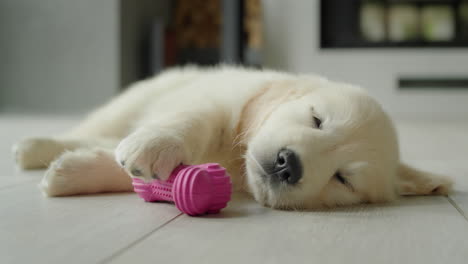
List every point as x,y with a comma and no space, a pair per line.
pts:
292,141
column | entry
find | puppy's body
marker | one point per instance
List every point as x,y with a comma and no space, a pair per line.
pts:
245,120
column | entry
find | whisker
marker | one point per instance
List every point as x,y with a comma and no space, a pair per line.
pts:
251,156
239,138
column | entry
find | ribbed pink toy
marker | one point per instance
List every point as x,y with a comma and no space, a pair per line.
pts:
195,190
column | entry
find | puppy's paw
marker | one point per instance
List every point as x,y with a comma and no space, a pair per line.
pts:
62,175
36,153
151,154
84,171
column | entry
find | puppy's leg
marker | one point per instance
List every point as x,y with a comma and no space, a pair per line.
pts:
158,146
85,171
36,153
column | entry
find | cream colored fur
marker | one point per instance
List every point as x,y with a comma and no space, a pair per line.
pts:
240,118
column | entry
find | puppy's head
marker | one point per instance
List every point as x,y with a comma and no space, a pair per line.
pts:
313,143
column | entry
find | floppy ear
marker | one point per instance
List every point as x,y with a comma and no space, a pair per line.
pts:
411,181
262,103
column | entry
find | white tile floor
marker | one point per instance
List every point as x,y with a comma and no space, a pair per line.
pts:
120,228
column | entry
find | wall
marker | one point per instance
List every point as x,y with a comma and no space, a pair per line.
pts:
57,55
137,19
292,43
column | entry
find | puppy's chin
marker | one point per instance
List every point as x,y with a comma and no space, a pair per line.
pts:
256,182
276,197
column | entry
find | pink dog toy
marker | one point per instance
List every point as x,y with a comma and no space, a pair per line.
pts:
195,190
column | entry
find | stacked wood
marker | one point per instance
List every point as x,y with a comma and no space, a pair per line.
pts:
197,23
253,23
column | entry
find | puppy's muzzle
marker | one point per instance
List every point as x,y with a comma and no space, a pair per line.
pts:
287,167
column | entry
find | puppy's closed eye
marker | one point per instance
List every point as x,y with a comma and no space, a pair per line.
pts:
341,179
317,122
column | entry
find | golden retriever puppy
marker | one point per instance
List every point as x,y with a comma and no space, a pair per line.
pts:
293,141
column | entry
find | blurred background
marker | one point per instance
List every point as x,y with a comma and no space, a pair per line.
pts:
65,56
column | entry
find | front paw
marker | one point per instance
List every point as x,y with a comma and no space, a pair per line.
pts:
151,154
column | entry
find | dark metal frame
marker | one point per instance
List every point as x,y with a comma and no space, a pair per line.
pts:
337,15
233,37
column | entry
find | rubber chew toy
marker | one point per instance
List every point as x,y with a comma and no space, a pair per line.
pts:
195,190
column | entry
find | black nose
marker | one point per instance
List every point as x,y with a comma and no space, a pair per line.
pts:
287,167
